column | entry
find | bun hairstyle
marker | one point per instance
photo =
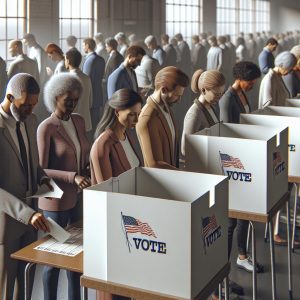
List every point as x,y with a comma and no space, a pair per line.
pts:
206,80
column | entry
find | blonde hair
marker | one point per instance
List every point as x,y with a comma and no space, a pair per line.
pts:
206,80
170,77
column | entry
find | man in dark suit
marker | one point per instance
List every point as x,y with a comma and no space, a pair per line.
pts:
171,55
94,67
114,58
198,54
124,76
185,63
20,177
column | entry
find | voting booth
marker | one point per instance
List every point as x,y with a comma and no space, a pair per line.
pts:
253,157
158,230
277,116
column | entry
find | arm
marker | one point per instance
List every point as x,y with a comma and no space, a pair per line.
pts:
220,60
265,92
263,63
87,68
15,208
149,139
100,161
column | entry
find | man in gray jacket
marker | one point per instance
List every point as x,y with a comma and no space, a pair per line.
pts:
20,176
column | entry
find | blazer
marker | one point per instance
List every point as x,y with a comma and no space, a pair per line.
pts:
58,158
119,79
171,55
15,209
3,79
85,101
231,106
24,64
112,63
108,158
292,83
272,90
198,57
185,63
156,139
94,67
196,119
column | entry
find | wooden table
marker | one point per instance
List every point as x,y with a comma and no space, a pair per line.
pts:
268,219
296,181
140,294
32,257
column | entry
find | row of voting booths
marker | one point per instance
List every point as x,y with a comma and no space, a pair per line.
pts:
166,231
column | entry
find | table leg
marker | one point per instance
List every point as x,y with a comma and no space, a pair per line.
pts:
248,237
288,228
295,215
84,293
254,275
226,287
27,280
272,254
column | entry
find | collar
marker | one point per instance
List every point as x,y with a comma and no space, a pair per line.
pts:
266,49
75,71
10,120
89,54
112,52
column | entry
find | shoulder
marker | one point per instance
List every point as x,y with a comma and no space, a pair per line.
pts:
103,143
48,125
77,118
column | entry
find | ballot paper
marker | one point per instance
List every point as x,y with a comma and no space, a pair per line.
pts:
44,191
60,234
71,247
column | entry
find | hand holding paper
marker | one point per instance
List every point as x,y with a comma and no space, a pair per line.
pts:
44,191
57,231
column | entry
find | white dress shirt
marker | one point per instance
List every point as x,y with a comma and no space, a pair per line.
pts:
130,154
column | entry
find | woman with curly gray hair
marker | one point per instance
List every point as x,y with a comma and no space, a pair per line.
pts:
64,155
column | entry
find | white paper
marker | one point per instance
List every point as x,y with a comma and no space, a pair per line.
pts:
71,247
57,231
44,191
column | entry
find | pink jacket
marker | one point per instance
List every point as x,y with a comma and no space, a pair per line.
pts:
58,158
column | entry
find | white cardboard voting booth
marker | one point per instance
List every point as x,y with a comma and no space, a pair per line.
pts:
158,230
278,116
253,157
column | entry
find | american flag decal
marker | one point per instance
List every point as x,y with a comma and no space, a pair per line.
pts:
133,225
276,158
209,224
229,161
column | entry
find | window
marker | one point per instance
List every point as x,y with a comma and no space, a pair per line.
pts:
184,16
75,18
234,16
227,18
12,24
262,16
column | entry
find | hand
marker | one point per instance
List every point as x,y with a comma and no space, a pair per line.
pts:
39,222
82,182
46,181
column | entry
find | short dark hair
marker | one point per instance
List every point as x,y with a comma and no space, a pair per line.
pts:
111,42
74,57
33,87
272,41
135,51
246,70
90,42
